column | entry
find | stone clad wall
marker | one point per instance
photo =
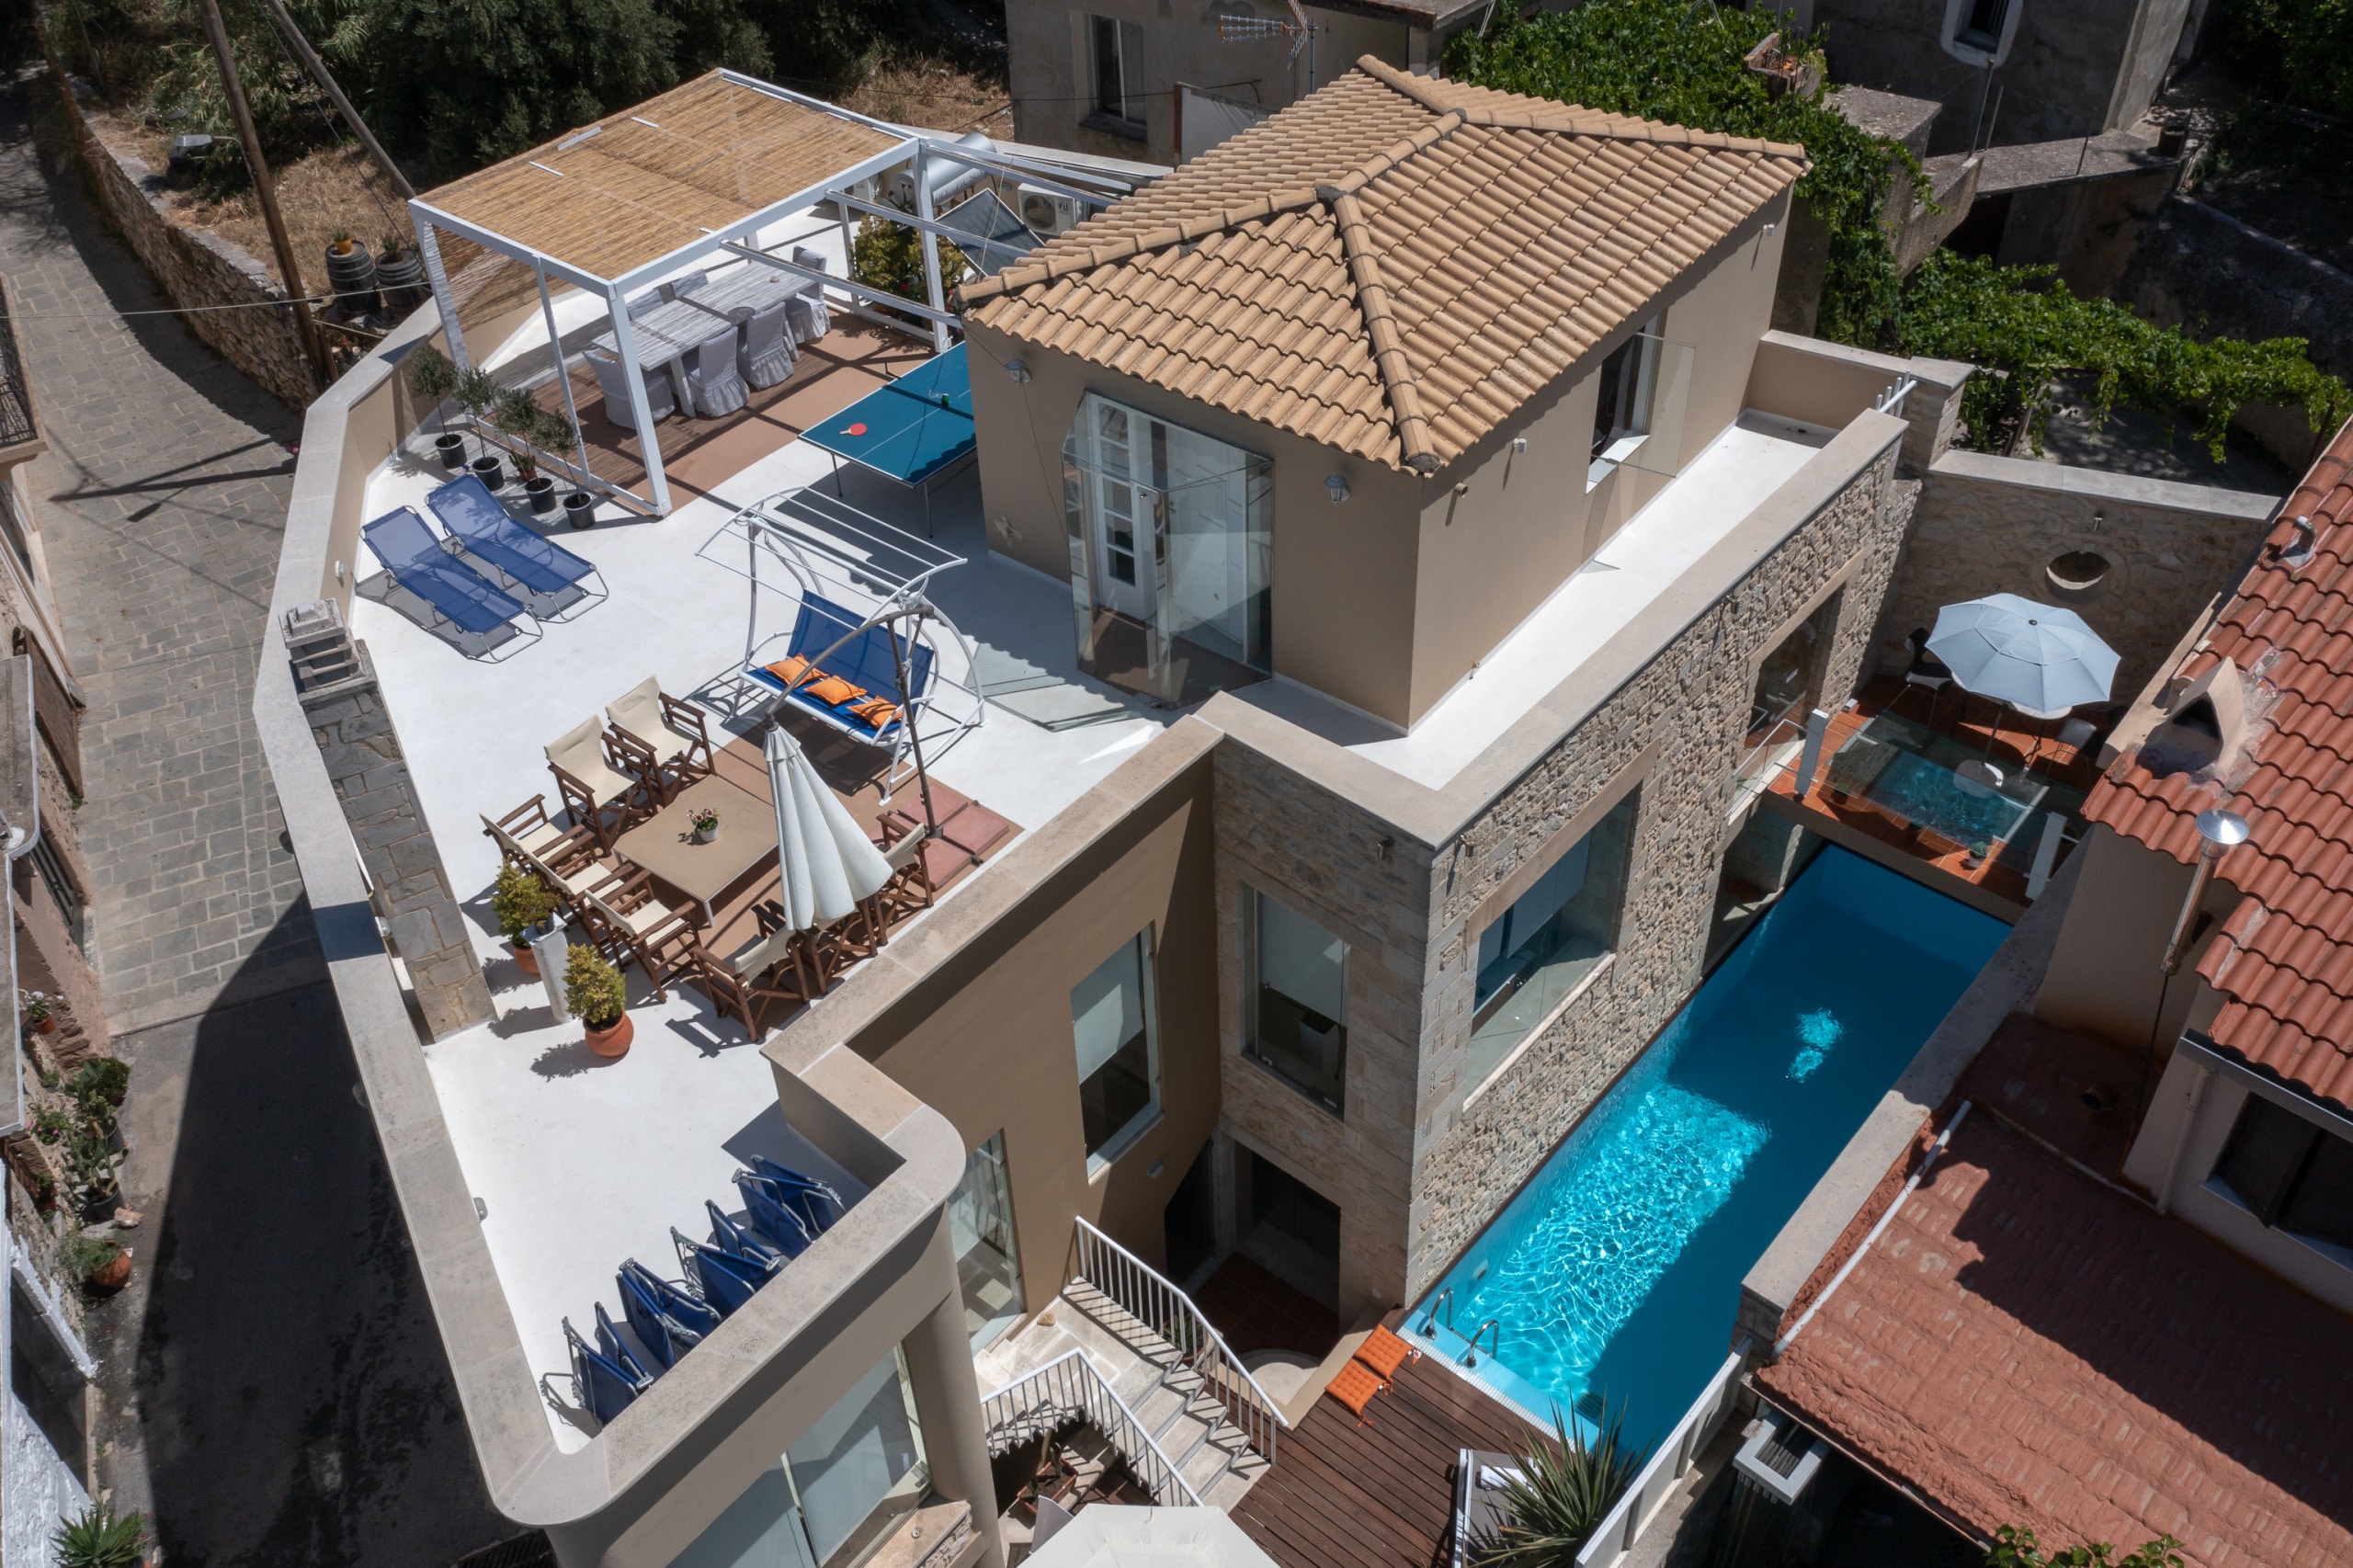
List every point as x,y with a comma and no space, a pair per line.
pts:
1689,703
1992,525
194,266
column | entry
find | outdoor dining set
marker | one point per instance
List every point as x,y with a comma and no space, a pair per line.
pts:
657,838
704,345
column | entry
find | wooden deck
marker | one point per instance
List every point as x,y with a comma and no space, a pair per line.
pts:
1380,1494
1975,724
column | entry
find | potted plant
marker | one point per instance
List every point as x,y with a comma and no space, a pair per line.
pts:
100,1262
520,415
104,1081
431,380
593,994
89,1169
100,1537
476,392
522,905
705,823
1979,850
580,509
1559,1493
40,1014
553,432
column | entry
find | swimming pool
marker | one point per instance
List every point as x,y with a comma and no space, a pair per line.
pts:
1614,1274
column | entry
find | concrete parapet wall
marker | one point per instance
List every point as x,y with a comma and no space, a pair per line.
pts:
196,269
1994,525
1828,383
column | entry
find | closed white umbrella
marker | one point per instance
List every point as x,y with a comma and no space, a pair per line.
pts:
2034,657
829,864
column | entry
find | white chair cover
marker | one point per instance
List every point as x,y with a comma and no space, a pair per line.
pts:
765,356
829,865
814,323
712,379
610,376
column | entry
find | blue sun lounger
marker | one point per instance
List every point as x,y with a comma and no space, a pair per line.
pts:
482,526
726,1282
606,1377
668,1321
407,545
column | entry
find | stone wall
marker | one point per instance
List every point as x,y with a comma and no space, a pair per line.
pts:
1992,525
193,267
1679,721
2199,265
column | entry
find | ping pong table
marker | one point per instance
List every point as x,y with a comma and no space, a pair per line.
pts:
913,431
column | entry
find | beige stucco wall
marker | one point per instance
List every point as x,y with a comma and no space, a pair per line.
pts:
1490,553
2105,972
1054,93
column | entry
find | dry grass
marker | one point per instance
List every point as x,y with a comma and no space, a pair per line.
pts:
335,189
907,90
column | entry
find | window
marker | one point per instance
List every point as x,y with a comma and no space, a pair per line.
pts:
835,1491
1117,50
1118,1060
2291,1173
1622,407
1785,684
1981,22
1295,988
1554,935
980,1223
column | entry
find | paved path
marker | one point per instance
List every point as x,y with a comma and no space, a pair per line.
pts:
162,499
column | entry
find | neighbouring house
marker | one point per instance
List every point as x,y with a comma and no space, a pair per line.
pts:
1120,79
2101,1286
1372,665
54,1021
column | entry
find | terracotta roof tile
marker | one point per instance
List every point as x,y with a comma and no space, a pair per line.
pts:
1458,248
2283,960
1995,1350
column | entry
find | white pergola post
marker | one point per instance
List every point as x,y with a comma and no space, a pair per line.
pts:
562,372
648,440
930,248
429,250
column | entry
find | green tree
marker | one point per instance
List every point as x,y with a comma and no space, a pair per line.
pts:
1674,61
2301,51
2015,1547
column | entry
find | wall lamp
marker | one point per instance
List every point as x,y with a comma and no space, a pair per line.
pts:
2220,830
1019,371
1338,488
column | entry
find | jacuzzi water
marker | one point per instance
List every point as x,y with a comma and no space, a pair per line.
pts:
1614,1274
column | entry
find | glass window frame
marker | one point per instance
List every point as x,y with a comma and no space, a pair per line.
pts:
1107,1153
989,1155
1251,987
2305,1143
1113,91
1967,30
1627,385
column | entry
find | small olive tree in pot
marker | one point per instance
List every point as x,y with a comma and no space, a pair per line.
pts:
594,993
522,904
431,380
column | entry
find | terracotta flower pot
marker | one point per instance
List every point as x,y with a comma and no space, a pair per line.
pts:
46,1024
114,1274
614,1040
525,959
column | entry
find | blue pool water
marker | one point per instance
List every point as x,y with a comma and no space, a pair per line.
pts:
1615,1271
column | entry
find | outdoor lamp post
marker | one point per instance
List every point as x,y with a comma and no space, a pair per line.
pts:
2220,829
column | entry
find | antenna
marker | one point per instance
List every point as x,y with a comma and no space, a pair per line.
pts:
1299,29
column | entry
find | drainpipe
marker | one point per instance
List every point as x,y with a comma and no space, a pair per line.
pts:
2181,1136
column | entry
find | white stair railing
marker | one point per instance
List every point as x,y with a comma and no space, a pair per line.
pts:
1068,1390
1143,1294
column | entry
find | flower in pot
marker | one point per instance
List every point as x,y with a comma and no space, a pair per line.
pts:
53,1124
39,1012
100,1537
431,380
1977,852
705,823
522,905
593,994
102,1264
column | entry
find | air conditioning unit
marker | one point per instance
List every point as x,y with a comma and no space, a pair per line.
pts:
1050,212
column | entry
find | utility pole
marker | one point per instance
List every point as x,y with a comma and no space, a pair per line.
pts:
319,73
266,192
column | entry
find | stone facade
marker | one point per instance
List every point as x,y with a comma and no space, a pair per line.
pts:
1995,525
1679,722
364,762
194,266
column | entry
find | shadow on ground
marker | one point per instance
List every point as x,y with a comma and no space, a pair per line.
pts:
276,1390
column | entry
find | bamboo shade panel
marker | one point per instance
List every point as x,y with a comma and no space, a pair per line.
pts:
653,178
486,286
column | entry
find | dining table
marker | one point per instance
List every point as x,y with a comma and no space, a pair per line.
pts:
668,334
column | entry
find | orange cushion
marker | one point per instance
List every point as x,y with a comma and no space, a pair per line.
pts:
1354,1388
788,670
833,692
876,711
1384,1353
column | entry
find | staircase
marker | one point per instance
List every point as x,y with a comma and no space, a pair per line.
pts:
1191,1400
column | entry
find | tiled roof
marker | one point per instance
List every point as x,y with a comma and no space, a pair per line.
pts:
2025,1345
2283,960
1392,265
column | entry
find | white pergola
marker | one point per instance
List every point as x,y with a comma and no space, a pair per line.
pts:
695,175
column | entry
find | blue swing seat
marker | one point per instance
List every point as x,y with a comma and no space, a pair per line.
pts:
865,660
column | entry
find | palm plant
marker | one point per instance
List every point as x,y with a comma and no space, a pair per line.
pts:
1563,1489
100,1537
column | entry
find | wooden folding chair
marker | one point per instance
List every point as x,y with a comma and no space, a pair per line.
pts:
565,858
629,924
909,891
663,741
598,795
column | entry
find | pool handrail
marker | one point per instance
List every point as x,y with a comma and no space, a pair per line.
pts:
1471,1351
1145,1294
1445,1297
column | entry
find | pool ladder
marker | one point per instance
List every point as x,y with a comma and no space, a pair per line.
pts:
1444,1299
1470,1355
